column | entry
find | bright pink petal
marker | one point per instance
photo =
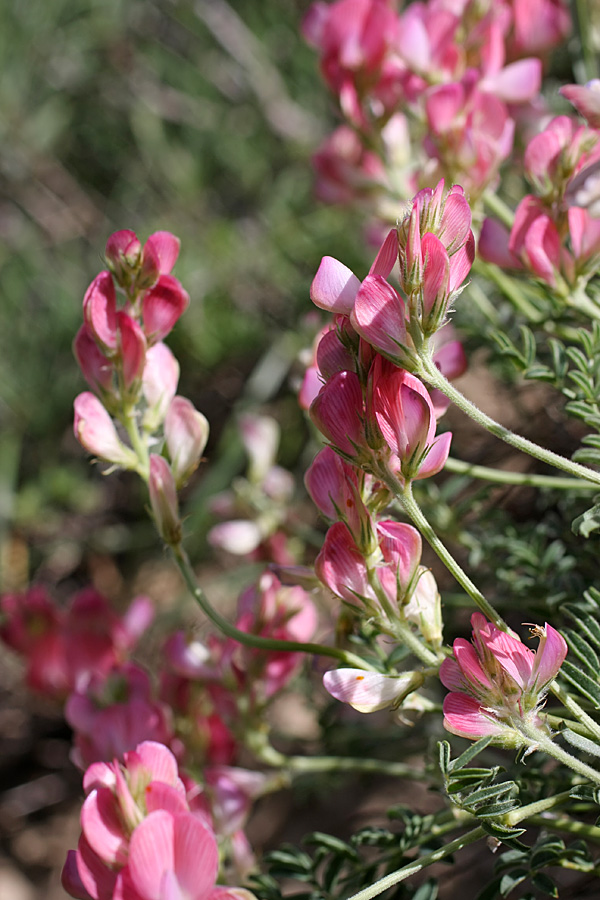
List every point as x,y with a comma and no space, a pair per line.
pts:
514,657
379,316
162,306
549,657
166,247
465,717
469,663
164,796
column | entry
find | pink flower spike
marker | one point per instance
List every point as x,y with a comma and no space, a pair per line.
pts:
100,312
366,691
162,306
334,287
186,433
94,429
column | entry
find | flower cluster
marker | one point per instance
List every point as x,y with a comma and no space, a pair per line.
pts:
134,375
461,72
554,236
496,682
146,835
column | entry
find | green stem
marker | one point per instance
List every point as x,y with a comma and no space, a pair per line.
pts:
141,450
434,377
527,479
298,765
414,513
255,640
584,28
499,208
564,824
534,809
412,868
544,742
569,703
403,632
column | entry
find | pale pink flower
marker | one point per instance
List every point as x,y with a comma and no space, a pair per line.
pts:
159,382
186,433
497,681
369,691
95,431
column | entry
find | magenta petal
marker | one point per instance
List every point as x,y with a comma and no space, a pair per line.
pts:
166,247
71,880
96,878
133,348
334,287
469,663
337,412
586,99
401,547
379,316
451,675
342,567
494,245
162,306
464,716
100,311
518,82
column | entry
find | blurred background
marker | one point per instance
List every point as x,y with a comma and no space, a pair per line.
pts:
194,117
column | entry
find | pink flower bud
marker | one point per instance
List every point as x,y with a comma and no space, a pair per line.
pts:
94,429
162,306
337,412
123,255
100,312
163,500
160,378
186,433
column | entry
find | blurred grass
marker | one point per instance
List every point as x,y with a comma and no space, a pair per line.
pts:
197,117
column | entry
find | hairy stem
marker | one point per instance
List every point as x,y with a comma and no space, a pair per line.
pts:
432,375
542,741
526,479
580,714
413,511
412,868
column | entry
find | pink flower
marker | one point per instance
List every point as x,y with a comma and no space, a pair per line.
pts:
406,418
186,433
497,681
95,431
369,691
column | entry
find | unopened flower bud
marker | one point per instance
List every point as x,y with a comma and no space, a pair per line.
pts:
123,255
163,499
186,431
